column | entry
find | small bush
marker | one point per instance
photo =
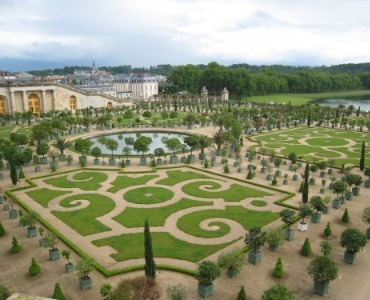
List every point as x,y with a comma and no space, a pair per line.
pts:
58,294
2,230
206,164
326,247
327,230
105,289
4,292
274,181
152,163
345,217
226,169
306,248
34,268
278,271
242,295
123,165
21,174
83,163
16,248
177,292
250,175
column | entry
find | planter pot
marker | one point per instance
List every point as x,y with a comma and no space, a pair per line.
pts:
192,157
32,231
1,199
54,164
330,171
322,174
213,163
21,149
143,161
315,218
240,170
173,159
112,161
82,158
54,254
96,161
273,248
285,181
342,199
205,291
291,167
289,234
269,177
159,162
128,162
202,156
13,214
356,191
367,184
250,167
6,207
278,173
349,195
331,185
325,210
322,191
43,160
231,273
368,233
62,157
85,283
336,203
254,257
312,181
263,170
1,176
295,177
184,159
321,288
69,267
302,226
350,257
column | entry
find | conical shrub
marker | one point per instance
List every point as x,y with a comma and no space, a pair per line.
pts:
306,248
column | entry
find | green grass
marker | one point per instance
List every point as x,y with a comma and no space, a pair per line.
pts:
141,195
247,218
235,192
86,181
5,131
326,141
164,245
44,196
84,220
156,216
259,203
122,182
177,176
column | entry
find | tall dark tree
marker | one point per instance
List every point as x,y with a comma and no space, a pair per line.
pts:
305,185
362,159
242,295
309,118
149,258
13,171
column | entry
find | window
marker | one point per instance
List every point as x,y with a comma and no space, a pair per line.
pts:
2,106
34,103
72,102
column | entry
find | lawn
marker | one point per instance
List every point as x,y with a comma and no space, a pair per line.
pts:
44,196
86,181
148,195
164,245
122,182
234,193
176,176
84,220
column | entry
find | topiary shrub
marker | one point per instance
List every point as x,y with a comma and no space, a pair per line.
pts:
2,230
250,175
206,164
34,268
345,217
306,248
242,295
327,230
21,174
226,169
58,294
274,181
16,248
105,290
278,291
278,271
326,248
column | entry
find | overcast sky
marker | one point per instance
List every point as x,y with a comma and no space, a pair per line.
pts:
37,34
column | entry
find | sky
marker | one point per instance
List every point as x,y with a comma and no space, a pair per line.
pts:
40,34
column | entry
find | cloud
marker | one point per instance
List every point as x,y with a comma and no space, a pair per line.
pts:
144,32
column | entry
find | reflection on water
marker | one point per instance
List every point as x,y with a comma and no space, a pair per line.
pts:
126,139
363,102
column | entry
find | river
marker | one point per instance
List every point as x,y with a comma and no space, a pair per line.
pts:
362,101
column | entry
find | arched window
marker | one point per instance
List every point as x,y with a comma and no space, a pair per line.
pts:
72,102
34,103
2,105
109,105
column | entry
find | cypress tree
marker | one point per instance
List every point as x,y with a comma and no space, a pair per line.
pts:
13,171
358,111
327,230
2,230
345,217
305,185
362,159
149,259
279,270
58,294
309,118
242,295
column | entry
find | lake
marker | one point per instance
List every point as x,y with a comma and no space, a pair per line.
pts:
363,101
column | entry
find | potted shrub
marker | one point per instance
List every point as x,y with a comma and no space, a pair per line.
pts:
366,220
367,182
322,269
127,151
353,240
288,217
313,169
327,199
339,187
255,239
141,144
66,254
317,205
232,261
278,291
105,290
42,241
208,271
84,267
96,153
323,182
13,213
50,242
159,152
275,237
305,211
69,160
28,220
326,248
357,180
